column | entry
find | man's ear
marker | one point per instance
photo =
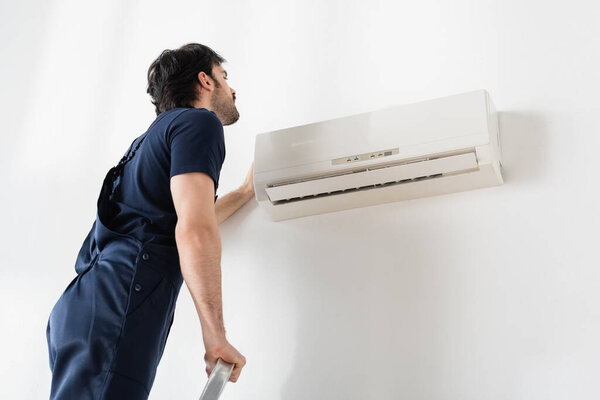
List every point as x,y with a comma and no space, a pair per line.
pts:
205,81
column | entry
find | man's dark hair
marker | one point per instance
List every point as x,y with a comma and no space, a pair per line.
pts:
172,77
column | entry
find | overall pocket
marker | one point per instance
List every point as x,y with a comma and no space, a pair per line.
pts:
147,290
147,319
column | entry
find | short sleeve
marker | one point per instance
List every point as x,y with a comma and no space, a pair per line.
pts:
197,144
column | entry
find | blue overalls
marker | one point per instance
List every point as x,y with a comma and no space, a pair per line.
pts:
107,332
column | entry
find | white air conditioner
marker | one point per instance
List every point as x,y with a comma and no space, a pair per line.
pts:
422,149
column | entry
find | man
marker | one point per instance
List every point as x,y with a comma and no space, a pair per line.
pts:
156,226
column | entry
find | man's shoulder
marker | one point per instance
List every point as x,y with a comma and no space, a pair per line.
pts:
184,119
194,121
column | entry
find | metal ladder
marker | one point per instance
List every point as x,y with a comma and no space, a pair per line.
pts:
219,376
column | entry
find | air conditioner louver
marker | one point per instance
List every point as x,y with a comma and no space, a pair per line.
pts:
372,178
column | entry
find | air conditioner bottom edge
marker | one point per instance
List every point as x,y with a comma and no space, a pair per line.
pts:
488,175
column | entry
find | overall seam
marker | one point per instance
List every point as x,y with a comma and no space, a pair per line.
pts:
122,328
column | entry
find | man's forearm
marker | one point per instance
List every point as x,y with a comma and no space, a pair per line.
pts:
231,202
200,259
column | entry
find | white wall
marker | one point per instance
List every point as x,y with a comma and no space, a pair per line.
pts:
488,294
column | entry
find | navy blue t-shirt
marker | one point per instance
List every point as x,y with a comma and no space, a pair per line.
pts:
179,140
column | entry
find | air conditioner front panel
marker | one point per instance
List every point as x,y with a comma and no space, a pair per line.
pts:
451,121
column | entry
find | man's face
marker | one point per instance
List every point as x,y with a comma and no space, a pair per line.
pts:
223,98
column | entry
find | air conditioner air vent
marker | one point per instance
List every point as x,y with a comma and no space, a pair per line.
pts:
377,185
370,178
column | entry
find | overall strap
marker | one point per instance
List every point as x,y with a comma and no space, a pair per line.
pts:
116,171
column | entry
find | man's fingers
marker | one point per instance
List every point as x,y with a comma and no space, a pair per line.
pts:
235,374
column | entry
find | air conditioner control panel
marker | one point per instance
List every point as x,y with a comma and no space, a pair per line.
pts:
364,156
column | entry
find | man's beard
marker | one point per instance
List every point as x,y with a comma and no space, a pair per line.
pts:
225,109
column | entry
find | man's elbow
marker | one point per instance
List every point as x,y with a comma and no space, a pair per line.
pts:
201,236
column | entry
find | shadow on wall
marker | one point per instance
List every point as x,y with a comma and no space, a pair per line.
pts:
524,143
366,318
